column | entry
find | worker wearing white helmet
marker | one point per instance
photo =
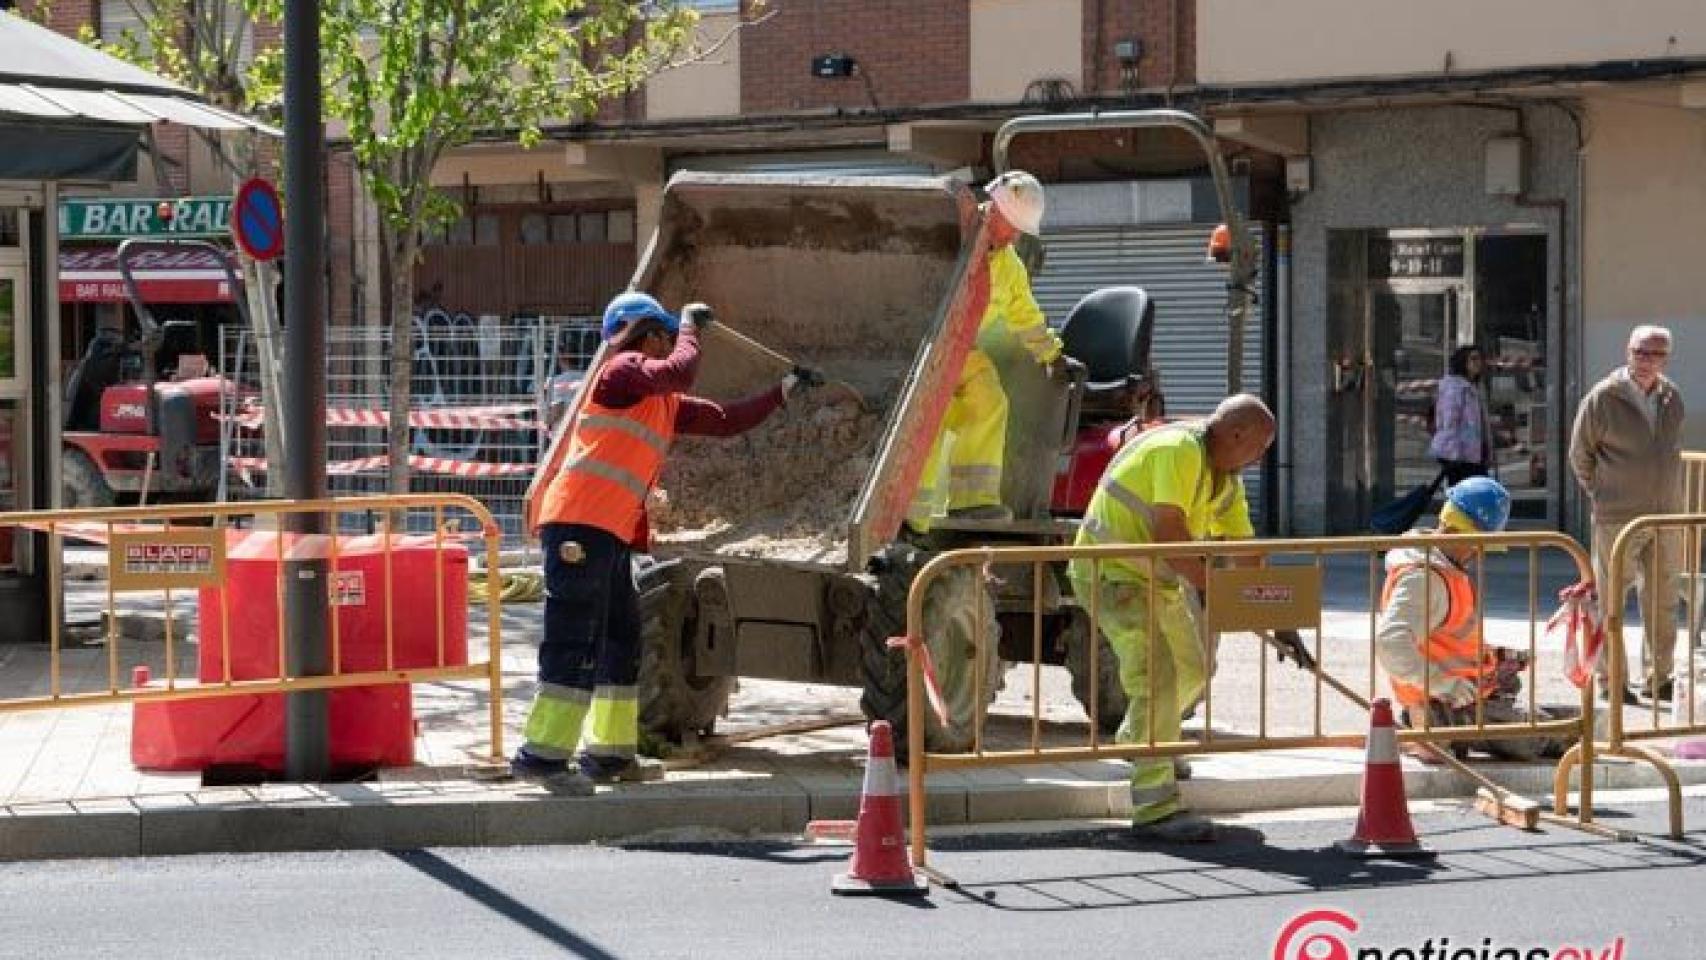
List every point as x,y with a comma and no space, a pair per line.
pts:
977,415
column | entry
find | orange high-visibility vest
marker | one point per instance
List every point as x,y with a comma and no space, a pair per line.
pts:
1452,646
614,458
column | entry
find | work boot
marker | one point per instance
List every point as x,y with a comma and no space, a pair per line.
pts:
558,778
1181,827
1439,715
621,770
1666,689
991,511
1624,696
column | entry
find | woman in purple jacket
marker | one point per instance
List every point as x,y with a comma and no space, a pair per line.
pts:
1462,442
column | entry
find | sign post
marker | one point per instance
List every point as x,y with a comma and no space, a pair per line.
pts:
307,749
258,221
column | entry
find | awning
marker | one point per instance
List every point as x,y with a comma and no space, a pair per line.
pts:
90,275
49,80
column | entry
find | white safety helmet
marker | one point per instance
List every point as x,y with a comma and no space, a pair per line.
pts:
1019,197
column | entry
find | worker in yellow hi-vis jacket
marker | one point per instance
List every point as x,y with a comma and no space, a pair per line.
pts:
1173,484
967,457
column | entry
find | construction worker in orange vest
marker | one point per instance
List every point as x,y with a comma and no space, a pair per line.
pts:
964,468
591,520
1428,634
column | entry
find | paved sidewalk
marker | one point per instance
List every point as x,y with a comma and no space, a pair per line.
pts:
67,787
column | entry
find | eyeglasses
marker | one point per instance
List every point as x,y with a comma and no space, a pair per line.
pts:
1650,354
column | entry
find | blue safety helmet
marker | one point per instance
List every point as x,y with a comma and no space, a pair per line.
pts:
1483,500
632,307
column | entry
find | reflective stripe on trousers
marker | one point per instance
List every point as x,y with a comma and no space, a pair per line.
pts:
615,727
589,659
1181,661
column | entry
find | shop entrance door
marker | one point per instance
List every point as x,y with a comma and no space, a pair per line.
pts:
1414,327
1401,302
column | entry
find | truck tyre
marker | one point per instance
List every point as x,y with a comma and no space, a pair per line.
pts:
673,702
1110,695
950,621
82,485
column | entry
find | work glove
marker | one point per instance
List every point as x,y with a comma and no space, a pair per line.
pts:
697,314
1061,367
1511,664
800,378
1290,646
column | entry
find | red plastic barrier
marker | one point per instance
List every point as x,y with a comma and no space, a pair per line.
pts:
368,725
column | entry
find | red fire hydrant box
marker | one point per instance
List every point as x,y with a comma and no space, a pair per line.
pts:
422,590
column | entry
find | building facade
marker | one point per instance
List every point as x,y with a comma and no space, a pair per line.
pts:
1419,178
1457,177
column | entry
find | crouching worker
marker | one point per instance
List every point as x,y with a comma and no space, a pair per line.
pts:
592,518
1428,634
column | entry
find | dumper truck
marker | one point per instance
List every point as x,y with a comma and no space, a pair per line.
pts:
782,553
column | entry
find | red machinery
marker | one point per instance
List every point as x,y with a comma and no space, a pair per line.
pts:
143,418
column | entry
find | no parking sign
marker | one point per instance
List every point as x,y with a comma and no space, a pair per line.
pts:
257,220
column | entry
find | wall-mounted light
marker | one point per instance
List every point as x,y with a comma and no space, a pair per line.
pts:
833,65
1297,175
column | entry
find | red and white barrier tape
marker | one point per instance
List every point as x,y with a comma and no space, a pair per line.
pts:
502,417
433,465
1583,628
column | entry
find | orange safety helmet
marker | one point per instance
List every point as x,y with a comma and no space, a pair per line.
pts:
1220,245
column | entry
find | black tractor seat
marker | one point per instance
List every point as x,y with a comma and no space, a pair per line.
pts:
1110,331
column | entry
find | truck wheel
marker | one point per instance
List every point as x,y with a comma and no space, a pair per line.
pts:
1110,696
82,485
673,702
950,621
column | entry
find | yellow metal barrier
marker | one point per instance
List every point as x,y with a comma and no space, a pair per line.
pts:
210,528
1303,564
1687,719
1694,481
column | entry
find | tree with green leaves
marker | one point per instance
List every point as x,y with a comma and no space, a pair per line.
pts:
208,47
412,79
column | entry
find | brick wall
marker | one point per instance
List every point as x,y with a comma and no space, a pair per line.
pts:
913,53
1156,23
65,16
340,229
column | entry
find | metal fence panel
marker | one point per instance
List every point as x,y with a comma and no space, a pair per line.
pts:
484,394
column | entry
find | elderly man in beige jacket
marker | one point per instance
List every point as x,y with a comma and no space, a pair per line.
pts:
1626,452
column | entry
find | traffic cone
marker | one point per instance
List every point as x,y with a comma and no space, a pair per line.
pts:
880,866
1383,823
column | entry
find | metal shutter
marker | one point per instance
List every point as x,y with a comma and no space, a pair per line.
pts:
1190,304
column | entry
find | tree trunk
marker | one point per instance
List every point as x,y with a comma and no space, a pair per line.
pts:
400,288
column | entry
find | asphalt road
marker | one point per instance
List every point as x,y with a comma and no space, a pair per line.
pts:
1077,893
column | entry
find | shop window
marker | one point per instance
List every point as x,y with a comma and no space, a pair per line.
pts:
589,227
486,230
10,295
620,226
535,229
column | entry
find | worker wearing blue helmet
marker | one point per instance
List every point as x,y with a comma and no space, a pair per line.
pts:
1428,634
583,727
